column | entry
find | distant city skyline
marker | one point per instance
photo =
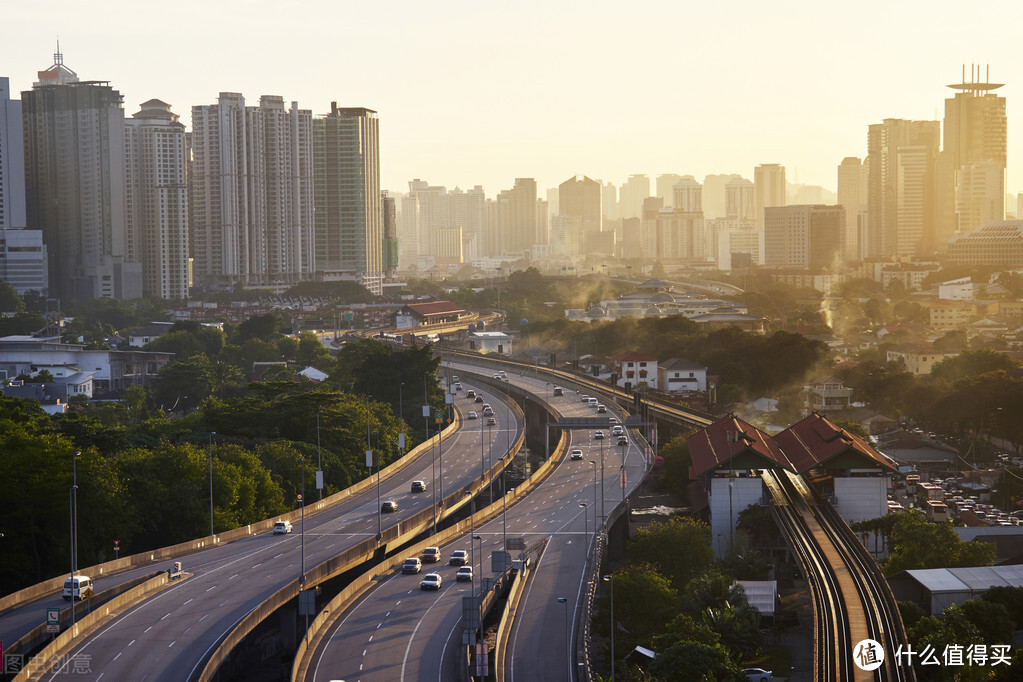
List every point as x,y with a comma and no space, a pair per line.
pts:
471,95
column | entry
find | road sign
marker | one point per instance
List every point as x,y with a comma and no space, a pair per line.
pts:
515,543
582,422
53,619
87,594
300,497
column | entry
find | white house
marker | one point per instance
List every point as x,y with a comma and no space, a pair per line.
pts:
677,375
634,368
490,342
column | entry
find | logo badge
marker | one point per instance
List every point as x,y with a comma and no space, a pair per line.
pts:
868,654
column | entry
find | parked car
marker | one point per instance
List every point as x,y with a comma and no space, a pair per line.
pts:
389,507
459,558
758,674
576,454
431,555
431,581
464,574
419,486
411,565
282,528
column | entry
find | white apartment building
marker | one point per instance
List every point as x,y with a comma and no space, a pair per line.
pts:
252,192
12,160
23,260
156,215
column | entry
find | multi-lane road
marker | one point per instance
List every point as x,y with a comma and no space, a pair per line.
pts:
400,632
168,636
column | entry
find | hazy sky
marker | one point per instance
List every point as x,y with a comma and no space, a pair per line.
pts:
483,92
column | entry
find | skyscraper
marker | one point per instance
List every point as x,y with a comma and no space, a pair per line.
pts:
74,183
900,163
740,200
156,216
251,220
769,188
635,190
852,196
12,160
349,229
665,183
580,196
974,157
517,225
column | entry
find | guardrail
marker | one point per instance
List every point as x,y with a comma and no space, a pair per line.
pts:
37,667
343,600
33,592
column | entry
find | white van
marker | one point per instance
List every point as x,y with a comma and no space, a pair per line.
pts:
593,402
79,587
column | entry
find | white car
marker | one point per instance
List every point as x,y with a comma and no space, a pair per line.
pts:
431,581
758,674
464,574
473,415
598,435
576,454
459,557
282,528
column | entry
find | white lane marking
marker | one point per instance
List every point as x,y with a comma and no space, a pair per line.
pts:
186,602
364,651
518,621
204,616
117,656
234,576
165,615
212,588
387,614
371,638
147,629
131,642
412,637
171,644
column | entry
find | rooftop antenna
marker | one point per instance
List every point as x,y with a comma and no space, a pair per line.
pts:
58,58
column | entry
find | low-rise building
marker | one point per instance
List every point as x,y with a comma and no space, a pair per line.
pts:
111,371
917,360
491,342
679,376
635,369
826,394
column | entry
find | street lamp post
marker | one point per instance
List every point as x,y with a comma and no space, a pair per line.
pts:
609,579
301,502
568,636
319,458
586,524
74,525
594,463
603,517
504,514
212,434
377,458
72,495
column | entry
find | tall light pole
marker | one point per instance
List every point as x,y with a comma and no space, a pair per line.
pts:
594,463
609,579
479,579
568,636
210,452
74,524
586,525
319,459
376,456
504,514
72,494
603,517
301,501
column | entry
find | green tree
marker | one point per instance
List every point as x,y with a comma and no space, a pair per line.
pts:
971,363
645,601
918,543
992,620
678,547
693,662
911,613
1009,597
10,301
183,384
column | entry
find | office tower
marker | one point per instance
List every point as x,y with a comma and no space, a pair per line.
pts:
581,197
972,169
740,200
408,233
467,209
74,184
349,215
687,195
12,160
609,201
714,194
553,200
517,229
803,236
635,190
769,188
448,246
901,157
156,214
543,225
665,185
389,226
673,233
852,195
252,189
434,212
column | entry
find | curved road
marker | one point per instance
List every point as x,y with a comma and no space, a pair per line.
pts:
399,632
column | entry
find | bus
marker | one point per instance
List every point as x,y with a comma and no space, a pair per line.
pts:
936,511
911,482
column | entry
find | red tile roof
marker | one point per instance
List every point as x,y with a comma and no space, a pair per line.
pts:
728,437
436,308
635,356
814,440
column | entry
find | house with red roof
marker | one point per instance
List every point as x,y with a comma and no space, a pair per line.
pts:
635,369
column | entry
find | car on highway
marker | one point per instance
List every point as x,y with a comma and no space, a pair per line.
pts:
622,440
612,420
431,581
601,409
431,555
419,486
470,393
473,415
576,454
617,430
758,674
282,528
491,421
389,507
479,398
586,399
78,588
488,411
558,390
592,402
411,564
458,387
598,435
459,558
464,574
